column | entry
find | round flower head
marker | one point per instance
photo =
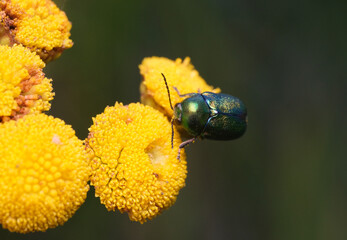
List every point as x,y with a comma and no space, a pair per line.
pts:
180,75
23,86
43,173
134,168
36,24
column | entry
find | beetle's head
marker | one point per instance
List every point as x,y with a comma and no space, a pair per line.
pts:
177,115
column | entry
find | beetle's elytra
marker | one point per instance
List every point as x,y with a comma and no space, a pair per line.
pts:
210,115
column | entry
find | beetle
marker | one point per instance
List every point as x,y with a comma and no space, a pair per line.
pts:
209,115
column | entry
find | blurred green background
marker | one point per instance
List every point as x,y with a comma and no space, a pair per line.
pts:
286,177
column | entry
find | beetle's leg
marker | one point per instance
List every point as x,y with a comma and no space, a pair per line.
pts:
183,145
183,95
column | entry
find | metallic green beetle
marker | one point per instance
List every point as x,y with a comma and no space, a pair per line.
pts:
209,115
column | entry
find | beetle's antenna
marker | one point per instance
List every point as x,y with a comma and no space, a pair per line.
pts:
168,91
172,132
172,119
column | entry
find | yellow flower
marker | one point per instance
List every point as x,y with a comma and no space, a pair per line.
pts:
36,24
181,75
23,86
134,168
43,173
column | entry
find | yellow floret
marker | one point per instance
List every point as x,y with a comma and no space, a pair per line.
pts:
134,168
181,75
43,173
23,86
36,24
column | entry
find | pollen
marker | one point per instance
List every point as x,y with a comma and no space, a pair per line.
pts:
134,168
179,74
36,24
43,181
24,89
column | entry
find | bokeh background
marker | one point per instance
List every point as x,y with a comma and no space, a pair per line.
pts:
286,177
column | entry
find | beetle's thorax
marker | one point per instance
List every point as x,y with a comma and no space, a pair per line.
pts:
192,114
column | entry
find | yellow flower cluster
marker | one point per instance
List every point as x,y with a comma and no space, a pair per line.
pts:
43,173
179,74
44,168
36,24
24,88
134,168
